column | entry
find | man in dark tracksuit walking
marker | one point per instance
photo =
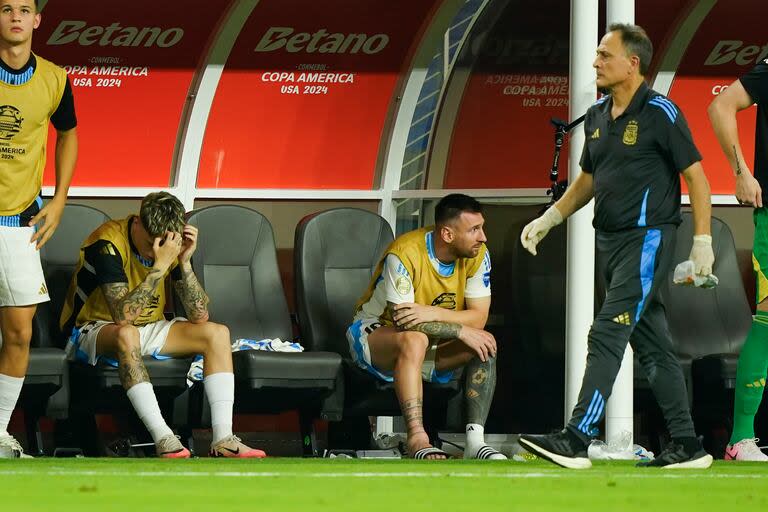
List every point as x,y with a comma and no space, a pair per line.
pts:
637,145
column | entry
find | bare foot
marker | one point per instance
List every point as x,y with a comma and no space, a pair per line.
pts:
420,440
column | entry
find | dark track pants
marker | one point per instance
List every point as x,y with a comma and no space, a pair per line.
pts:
634,264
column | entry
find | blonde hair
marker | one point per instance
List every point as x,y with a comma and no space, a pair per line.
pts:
161,212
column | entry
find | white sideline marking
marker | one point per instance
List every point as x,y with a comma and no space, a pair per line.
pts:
642,474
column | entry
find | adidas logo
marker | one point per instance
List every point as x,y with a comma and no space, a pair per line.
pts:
596,135
107,250
622,319
757,384
43,290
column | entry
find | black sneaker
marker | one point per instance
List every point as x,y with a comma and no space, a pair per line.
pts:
564,449
676,456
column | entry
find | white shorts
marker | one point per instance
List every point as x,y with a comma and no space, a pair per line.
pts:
357,336
21,274
81,345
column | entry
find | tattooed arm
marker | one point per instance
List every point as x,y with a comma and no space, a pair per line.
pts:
434,330
481,342
408,314
127,305
193,297
722,114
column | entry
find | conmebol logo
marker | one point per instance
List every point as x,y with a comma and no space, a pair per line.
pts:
70,31
320,42
744,55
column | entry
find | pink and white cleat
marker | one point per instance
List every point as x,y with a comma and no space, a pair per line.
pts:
746,449
233,447
169,447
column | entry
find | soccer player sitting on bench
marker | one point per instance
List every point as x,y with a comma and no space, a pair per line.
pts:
114,308
423,316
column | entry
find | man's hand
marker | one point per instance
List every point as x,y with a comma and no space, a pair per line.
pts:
408,314
167,250
748,190
701,255
482,342
189,243
50,214
537,229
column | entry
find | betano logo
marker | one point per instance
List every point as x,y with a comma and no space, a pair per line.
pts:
321,42
727,51
70,31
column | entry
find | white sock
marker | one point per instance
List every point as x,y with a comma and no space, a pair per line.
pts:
475,435
10,389
476,447
144,401
220,390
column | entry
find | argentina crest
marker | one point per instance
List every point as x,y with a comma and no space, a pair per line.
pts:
630,133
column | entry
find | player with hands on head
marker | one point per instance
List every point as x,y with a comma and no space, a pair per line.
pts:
114,311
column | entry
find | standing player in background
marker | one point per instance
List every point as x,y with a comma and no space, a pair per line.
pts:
750,190
32,92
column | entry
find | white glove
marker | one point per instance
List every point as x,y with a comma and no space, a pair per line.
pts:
701,255
538,228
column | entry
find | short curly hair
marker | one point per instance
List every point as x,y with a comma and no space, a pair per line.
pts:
161,212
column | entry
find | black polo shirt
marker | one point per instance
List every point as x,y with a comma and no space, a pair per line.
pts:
756,84
636,161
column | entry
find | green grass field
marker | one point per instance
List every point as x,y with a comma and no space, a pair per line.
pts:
364,485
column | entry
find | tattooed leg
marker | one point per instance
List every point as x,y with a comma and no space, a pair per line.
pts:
413,415
480,385
407,373
131,368
124,341
417,437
